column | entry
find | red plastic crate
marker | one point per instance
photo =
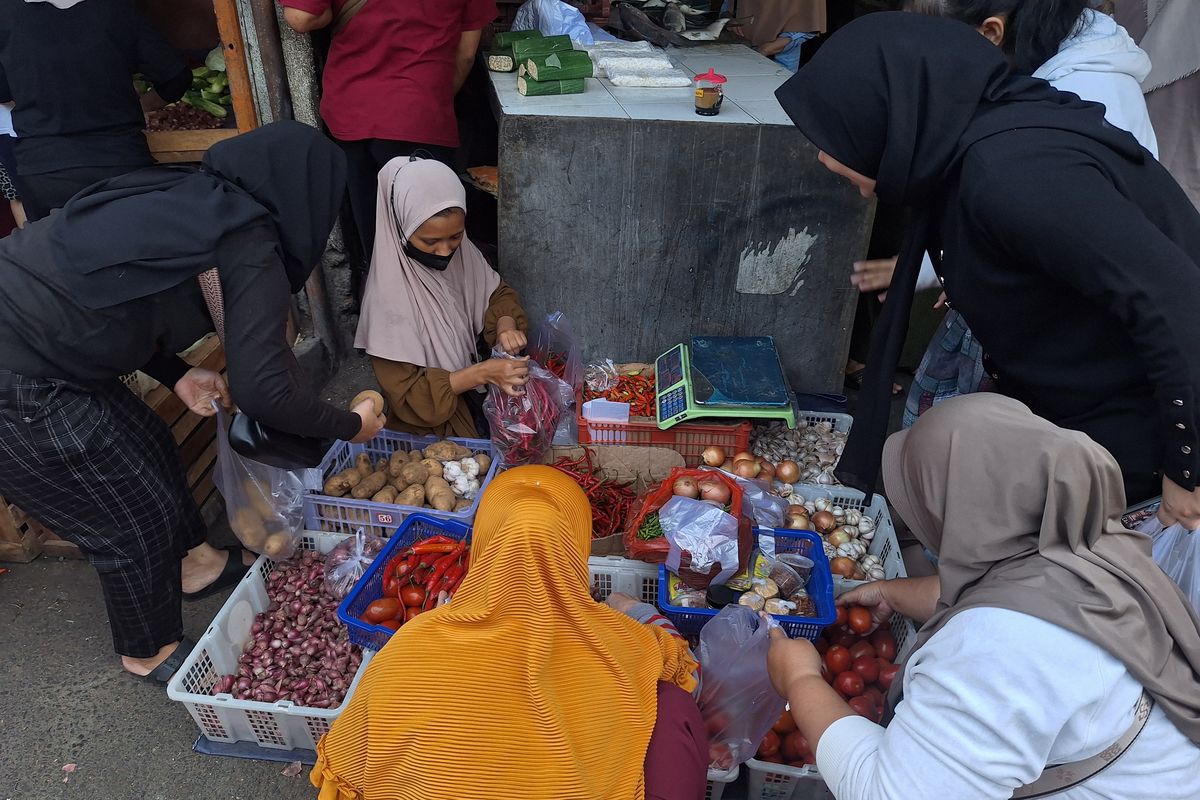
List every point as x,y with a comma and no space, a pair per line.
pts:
687,438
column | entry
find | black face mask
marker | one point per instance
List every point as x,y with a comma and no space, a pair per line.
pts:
430,260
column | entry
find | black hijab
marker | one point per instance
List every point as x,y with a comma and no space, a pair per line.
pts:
901,98
147,231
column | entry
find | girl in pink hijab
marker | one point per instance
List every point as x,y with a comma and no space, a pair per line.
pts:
431,297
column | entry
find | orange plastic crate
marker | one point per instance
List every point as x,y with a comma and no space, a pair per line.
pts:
688,438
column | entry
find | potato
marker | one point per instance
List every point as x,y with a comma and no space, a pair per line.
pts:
412,496
337,486
436,484
398,483
415,455
385,495
446,450
485,462
397,462
414,473
443,501
363,464
369,394
352,476
381,465
259,497
462,505
278,545
432,466
249,528
369,486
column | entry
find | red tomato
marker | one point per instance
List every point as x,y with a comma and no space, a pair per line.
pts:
794,746
381,609
845,639
841,616
862,706
770,745
393,624
411,612
720,756
861,649
887,675
849,684
785,725
859,620
838,660
884,643
390,587
866,668
874,695
412,595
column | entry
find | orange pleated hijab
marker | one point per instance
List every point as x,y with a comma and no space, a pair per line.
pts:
522,687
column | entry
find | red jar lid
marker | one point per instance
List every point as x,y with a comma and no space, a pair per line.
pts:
711,77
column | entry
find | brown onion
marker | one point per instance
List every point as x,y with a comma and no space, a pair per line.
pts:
715,490
842,566
824,521
788,471
727,466
686,487
746,469
744,456
767,472
713,456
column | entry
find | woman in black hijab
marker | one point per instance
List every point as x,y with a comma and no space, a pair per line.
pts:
112,284
1069,250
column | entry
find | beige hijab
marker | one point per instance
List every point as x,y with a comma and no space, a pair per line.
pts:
410,313
764,20
1027,516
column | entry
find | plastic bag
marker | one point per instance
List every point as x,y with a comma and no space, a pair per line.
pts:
523,426
553,18
1177,551
348,561
768,510
599,378
737,701
704,532
654,551
554,344
265,504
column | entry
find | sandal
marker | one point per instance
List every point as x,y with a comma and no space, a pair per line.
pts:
163,673
231,573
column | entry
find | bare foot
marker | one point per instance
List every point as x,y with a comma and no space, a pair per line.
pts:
853,367
203,564
144,666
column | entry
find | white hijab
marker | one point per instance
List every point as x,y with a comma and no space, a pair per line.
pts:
410,313
62,4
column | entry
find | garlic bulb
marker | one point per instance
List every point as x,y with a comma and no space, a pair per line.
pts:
821,504
853,516
830,550
866,524
838,512
783,489
875,573
852,549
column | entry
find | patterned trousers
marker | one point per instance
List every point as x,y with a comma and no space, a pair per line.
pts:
99,468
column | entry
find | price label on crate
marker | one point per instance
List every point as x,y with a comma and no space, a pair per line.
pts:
385,519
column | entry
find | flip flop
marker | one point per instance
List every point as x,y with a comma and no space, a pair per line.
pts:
232,573
163,673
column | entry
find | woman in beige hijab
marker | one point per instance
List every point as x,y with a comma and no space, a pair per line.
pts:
430,298
1048,637
777,28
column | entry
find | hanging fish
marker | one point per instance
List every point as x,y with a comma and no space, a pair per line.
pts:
691,12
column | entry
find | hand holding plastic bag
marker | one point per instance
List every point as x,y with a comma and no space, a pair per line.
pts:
523,426
705,532
265,504
737,700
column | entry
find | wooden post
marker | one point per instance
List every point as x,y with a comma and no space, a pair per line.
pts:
235,64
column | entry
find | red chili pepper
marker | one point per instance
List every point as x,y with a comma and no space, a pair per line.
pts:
436,547
439,569
439,539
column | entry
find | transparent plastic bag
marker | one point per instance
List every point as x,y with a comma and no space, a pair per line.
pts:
348,561
600,377
1177,551
552,18
705,532
768,510
737,701
554,345
265,504
523,426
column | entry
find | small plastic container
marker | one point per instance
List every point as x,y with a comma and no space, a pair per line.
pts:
802,565
710,93
608,413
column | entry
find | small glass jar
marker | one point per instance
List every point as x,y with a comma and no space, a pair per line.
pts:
709,93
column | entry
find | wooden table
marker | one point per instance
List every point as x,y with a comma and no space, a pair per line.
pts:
646,223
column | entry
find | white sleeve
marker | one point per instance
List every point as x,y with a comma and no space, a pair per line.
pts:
980,714
927,278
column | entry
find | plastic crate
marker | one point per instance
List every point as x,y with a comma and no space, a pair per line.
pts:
279,726
769,781
616,574
347,515
820,589
885,545
840,423
687,438
718,780
369,587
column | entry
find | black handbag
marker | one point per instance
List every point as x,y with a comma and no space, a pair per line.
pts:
250,438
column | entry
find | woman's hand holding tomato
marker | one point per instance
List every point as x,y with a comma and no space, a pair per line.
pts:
872,599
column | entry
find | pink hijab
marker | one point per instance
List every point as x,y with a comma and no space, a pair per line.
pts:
410,313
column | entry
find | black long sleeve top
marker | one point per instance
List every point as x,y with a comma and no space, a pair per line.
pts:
46,333
70,72
1079,272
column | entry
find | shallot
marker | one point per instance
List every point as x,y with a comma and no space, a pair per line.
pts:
298,650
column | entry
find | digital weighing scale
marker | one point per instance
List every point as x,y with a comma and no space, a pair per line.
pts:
722,376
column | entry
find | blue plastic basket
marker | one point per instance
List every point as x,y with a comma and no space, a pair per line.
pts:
370,586
820,588
347,515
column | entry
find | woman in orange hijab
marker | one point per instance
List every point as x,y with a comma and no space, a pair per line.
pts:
523,686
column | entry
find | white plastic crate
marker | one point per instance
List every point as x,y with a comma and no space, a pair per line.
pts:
884,545
280,726
718,780
616,574
769,781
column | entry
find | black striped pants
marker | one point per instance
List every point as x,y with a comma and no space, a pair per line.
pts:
99,468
